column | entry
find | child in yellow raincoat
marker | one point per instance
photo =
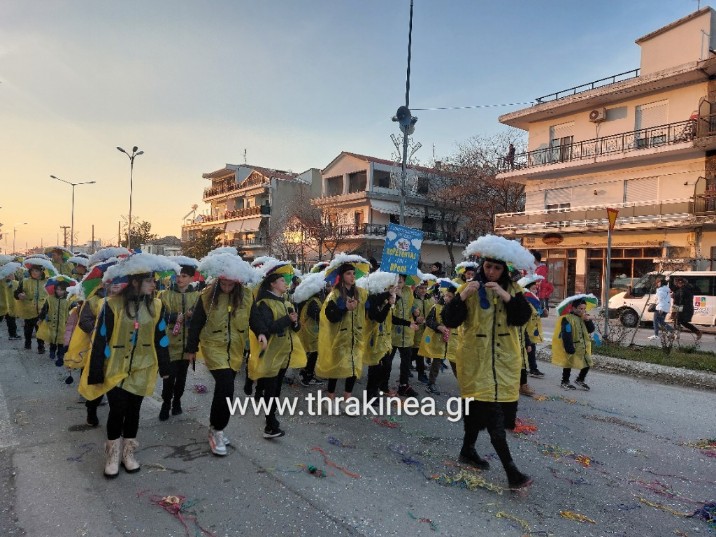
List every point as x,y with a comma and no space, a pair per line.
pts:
439,342
8,284
53,316
571,344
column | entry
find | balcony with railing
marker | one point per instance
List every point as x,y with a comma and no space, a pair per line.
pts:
235,214
230,188
253,242
667,213
634,73
380,230
653,137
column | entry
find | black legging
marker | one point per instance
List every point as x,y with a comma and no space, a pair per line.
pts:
29,329
490,416
223,387
567,371
687,324
307,373
123,418
350,384
173,386
406,358
270,388
11,325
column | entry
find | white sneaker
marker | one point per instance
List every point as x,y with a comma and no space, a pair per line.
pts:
216,442
653,337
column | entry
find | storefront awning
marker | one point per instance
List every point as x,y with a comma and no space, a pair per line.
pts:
245,225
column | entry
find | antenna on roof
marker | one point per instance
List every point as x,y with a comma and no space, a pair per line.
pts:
244,155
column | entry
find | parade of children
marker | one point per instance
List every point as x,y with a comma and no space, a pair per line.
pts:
342,319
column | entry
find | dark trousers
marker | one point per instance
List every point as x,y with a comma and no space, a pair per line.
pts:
690,327
57,350
270,388
223,387
568,371
123,419
349,385
11,325
406,358
532,358
307,372
490,416
435,367
29,329
375,378
173,386
419,361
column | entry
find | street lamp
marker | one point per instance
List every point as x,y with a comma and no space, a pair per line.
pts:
72,223
135,153
14,234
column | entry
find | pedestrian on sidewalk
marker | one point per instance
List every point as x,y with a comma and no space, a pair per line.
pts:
683,306
492,311
179,301
218,332
8,284
571,344
663,306
129,348
275,345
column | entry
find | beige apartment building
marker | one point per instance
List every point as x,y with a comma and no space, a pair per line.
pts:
643,142
243,199
362,194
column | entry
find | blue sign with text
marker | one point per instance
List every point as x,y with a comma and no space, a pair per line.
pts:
402,249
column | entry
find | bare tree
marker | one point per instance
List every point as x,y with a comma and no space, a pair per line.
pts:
201,243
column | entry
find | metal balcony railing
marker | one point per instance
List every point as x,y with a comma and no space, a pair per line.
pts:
255,241
585,217
381,229
212,191
671,133
626,75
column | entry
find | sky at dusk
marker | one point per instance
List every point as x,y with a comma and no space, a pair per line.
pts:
288,83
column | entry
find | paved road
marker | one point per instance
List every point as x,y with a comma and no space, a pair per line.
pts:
621,455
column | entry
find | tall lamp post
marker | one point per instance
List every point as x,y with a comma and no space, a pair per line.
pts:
72,223
14,234
135,153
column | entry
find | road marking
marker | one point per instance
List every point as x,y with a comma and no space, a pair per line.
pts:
7,432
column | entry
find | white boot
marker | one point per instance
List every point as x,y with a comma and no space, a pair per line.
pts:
128,461
111,461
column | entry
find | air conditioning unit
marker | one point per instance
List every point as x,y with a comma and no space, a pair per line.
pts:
598,115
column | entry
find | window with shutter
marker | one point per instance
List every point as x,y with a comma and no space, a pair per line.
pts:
642,189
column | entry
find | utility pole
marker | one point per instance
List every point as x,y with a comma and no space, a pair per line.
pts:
64,235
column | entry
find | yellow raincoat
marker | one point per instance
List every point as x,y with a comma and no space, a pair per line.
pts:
378,340
433,345
283,350
341,345
132,363
52,328
489,357
35,295
176,302
80,345
7,300
403,336
309,327
422,305
582,356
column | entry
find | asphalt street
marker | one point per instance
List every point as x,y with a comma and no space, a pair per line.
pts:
626,458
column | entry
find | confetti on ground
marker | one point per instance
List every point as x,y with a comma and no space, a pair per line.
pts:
577,481
387,422
662,489
707,513
707,446
155,466
179,507
313,470
86,448
524,427
335,442
468,480
571,515
663,507
614,421
332,464
583,460
433,526
522,523
199,388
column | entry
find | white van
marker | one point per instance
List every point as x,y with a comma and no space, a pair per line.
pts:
632,307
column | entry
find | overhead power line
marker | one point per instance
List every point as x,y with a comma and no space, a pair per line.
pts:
474,106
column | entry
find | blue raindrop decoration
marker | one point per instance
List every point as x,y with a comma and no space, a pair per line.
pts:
162,325
164,342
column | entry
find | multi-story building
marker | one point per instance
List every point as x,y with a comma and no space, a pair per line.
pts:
643,142
362,195
243,199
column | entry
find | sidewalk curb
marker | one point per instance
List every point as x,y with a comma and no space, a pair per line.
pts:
659,373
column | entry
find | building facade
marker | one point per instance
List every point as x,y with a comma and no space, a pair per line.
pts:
243,199
642,142
362,196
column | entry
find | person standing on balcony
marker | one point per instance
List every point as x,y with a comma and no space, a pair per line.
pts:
684,306
544,288
510,158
